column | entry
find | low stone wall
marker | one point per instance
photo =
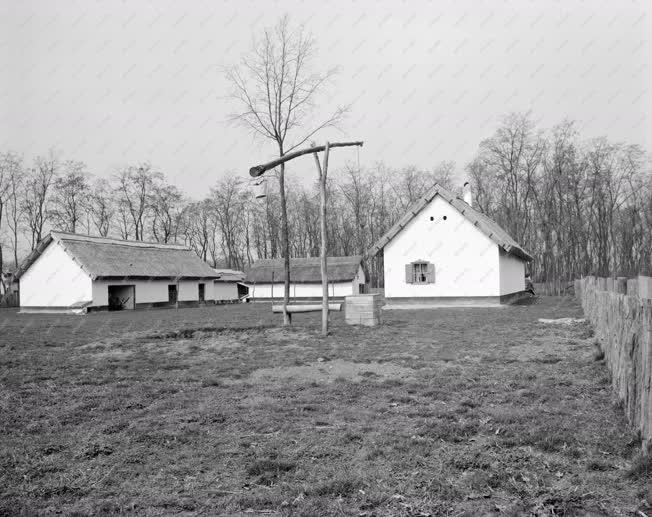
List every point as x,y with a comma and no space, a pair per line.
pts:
623,326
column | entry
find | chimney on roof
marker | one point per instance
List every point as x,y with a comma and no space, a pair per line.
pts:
467,196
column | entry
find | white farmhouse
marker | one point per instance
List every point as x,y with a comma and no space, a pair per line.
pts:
443,250
266,277
78,273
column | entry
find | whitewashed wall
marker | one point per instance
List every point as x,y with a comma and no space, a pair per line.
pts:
338,289
54,280
225,290
189,290
466,260
512,274
151,291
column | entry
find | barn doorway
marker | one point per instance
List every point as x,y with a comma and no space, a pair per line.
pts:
122,297
202,292
172,294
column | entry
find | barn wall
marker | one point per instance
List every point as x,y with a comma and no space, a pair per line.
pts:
338,289
512,274
189,290
147,291
225,290
151,291
54,280
466,261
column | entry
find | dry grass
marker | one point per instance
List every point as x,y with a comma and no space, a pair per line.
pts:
217,411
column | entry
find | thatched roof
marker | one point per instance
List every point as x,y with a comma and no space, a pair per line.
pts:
486,225
303,270
103,257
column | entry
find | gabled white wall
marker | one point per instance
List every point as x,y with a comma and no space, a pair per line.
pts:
54,280
466,260
512,274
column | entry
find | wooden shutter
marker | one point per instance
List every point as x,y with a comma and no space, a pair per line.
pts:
408,274
431,273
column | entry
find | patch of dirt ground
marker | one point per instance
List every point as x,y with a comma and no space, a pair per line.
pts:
330,371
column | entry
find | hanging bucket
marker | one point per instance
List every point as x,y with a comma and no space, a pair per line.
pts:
259,188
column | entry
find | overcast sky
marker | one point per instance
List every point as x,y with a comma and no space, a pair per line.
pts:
112,82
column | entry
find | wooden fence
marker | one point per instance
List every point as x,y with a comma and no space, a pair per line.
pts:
620,310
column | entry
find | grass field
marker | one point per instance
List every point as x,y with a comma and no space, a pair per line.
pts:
219,411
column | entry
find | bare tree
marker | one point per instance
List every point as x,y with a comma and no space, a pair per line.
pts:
229,202
277,91
13,204
70,197
101,207
166,202
10,164
135,186
197,225
36,193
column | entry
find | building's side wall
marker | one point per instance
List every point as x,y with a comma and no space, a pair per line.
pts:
466,261
337,290
225,291
54,280
512,274
189,290
152,291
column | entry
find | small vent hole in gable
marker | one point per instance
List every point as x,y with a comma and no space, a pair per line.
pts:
445,218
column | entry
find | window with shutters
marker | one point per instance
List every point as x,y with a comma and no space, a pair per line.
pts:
420,272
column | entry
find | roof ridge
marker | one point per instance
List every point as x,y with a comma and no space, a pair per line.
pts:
58,235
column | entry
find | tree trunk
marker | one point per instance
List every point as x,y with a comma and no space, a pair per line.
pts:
324,238
287,317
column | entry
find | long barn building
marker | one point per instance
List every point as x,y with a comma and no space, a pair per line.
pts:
266,278
78,273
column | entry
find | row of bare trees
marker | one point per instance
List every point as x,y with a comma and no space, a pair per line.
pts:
578,206
229,227
136,203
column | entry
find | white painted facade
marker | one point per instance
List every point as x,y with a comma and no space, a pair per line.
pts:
153,291
224,291
467,263
308,290
55,280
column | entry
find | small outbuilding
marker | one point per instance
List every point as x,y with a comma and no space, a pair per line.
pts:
266,278
229,287
444,250
78,273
